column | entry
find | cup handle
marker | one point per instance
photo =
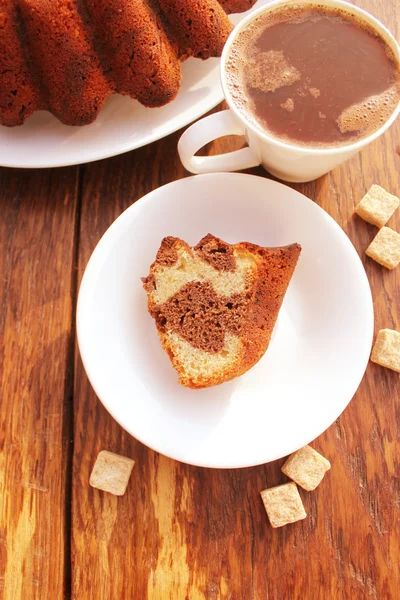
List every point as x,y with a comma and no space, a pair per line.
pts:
206,130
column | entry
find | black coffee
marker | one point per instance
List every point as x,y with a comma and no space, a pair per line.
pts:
313,76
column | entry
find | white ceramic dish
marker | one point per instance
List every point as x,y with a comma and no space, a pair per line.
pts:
317,356
122,125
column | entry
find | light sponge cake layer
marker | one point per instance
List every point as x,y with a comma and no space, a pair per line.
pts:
215,305
199,368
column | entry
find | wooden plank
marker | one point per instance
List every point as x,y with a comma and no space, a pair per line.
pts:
37,241
182,532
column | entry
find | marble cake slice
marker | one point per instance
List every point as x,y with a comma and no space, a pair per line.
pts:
215,305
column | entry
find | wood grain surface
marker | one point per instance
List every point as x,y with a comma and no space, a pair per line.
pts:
37,296
180,532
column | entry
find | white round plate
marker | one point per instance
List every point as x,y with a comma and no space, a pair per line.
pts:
122,125
319,349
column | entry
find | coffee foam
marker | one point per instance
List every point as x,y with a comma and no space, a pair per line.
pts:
269,71
315,92
370,114
288,105
234,66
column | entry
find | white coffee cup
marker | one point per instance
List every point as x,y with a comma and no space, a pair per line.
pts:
281,159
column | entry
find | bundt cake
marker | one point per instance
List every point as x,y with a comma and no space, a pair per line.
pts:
68,56
215,305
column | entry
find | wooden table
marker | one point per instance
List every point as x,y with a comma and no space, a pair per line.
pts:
180,532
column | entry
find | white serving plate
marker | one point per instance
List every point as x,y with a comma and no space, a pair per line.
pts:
319,349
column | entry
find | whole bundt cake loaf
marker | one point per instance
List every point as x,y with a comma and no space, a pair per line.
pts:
68,56
215,305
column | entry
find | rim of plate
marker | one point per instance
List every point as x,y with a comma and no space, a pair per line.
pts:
85,300
215,98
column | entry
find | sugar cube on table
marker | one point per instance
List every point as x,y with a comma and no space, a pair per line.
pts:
377,206
386,350
306,467
111,473
385,248
283,504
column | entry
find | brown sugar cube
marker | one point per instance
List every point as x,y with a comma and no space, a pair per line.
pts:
386,350
283,504
111,473
385,248
306,467
377,206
